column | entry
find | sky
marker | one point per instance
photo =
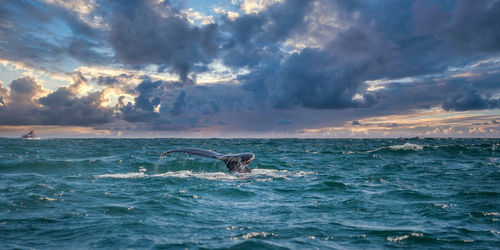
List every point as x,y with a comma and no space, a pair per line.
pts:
250,68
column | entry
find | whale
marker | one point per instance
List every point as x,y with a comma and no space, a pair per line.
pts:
234,162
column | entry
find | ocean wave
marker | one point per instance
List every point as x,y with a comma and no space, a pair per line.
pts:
46,198
407,146
122,176
404,237
491,214
251,235
404,147
444,205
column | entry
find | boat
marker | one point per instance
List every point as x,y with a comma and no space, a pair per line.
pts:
30,135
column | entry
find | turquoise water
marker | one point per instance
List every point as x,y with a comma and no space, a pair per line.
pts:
118,193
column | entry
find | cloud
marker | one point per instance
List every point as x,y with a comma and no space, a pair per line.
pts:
310,79
179,104
256,6
20,101
470,27
469,99
29,104
3,94
290,65
283,122
146,32
254,37
166,105
64,108
42,35
86,51
148,98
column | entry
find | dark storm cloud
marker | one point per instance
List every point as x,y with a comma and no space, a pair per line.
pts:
107,80
350,42
453,94
472,26
255,37
63,108
387,45
272,24
356,123
151,95
25,106
163,105
145,33
322,78
3,94
85,50
120,83
283,122
179,104
37,34
389,40
319,78
142,33
21,96
159,101
143,110
469,99
311,79
19,103
384,38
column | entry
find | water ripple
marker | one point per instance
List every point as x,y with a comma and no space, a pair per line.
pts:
302,193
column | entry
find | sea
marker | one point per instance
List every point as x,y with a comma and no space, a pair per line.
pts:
301,194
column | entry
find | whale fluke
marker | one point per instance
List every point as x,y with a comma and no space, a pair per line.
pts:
234,162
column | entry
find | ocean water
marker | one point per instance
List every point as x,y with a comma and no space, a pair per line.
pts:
302,194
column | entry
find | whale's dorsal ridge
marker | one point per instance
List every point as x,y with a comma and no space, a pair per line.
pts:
234,162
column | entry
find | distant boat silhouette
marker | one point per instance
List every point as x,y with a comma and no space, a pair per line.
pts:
30,135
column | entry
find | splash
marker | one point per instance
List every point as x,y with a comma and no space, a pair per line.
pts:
160,161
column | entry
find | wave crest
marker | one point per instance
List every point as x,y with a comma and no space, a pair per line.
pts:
121,176
407,146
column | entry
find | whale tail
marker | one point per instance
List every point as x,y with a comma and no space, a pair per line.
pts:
238,162
234,162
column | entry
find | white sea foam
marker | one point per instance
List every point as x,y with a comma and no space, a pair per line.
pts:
121,176
491,213
47,198
444,205
251,235
201,175
398,238
304,173
258,174
404,237
407,146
